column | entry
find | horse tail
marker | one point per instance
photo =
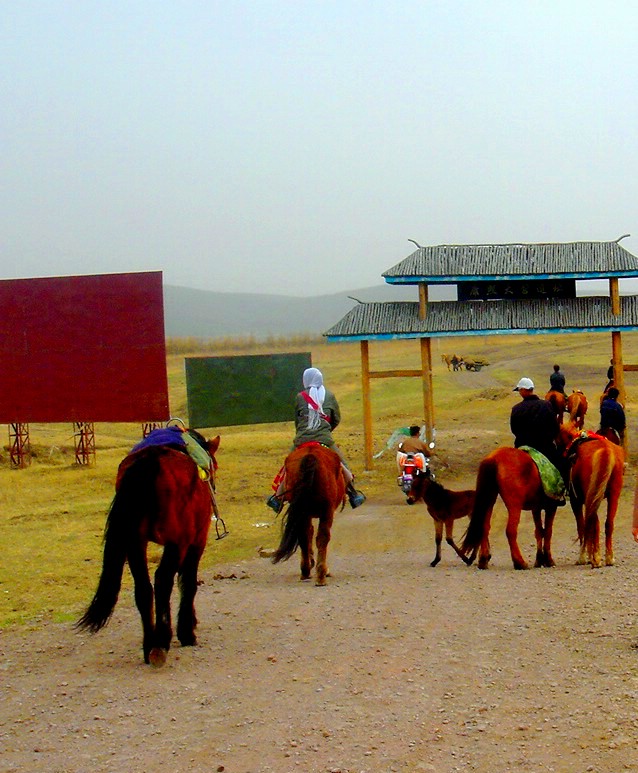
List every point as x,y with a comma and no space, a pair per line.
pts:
124,516
596,490
486,493
296,517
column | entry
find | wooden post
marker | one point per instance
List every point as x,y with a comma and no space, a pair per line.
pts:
426,380
615,295
367,407
423,300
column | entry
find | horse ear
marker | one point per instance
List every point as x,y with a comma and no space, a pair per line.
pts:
213,444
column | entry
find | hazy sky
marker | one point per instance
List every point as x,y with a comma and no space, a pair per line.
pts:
294,147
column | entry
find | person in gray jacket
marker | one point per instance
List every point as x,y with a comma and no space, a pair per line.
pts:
316,416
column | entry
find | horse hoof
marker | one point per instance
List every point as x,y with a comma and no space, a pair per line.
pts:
157,657
320,583
521,567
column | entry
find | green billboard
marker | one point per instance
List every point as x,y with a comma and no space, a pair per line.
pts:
248,389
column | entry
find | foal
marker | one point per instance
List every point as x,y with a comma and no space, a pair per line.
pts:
445,507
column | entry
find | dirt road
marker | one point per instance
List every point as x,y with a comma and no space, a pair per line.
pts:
394,666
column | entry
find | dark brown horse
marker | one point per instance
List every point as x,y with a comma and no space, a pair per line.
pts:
597,471
577,408
558,401
315,488
445,506
160,497
512,474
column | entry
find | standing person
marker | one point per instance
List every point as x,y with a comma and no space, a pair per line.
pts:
612,413
317,414
557,380
533,423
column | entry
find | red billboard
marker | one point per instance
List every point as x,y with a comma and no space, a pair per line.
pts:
83,348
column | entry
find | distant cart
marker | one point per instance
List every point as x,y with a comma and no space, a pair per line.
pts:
475,365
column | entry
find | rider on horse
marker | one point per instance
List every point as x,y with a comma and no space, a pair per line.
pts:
316,416
557,380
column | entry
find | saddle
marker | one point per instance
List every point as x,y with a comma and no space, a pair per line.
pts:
552,480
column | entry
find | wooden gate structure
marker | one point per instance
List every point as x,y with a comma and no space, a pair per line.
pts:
502,289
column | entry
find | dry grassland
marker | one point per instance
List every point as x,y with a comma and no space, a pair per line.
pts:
52,513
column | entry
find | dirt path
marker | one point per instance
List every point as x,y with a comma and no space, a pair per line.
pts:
393,667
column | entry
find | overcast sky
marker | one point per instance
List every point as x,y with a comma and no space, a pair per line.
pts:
294,147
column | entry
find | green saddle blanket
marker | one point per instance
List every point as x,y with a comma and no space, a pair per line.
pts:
552,480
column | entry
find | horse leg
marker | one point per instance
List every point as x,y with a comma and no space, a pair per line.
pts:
484,550
511,531
323,538
186,617
164,580
577,509
550,514
143,594
612,508
592,538
305,546
449,538
438,538
539,534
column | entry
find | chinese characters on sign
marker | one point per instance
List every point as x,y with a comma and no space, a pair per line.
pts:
533,289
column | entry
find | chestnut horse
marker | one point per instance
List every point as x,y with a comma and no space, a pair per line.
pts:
445,506
577,408
160,497
512,474
597,471
558,401
315,488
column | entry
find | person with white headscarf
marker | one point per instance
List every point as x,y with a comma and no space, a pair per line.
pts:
316,416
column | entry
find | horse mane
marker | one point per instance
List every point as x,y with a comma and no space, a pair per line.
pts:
435,494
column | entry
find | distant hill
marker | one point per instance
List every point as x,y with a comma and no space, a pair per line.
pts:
205,314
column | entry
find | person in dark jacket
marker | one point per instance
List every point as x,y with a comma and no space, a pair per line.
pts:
533,422
557,380
612,413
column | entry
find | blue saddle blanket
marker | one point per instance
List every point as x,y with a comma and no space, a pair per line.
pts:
164,436
174,436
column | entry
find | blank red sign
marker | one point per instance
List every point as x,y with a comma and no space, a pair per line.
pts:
83,348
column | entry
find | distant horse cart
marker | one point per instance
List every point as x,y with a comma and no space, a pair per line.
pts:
474,364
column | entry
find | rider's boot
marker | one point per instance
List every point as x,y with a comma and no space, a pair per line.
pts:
275,503
356,498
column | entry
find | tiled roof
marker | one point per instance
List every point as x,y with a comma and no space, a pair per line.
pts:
454,262
400,319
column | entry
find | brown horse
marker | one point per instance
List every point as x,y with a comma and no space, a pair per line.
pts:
558,401
445,506
577,408
597,471
512,474
315,488
160,497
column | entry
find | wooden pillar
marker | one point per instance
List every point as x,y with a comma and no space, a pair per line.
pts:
367,407
428,404
615,295
423,300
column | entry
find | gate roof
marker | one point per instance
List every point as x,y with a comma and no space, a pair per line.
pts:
459,263
446,263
